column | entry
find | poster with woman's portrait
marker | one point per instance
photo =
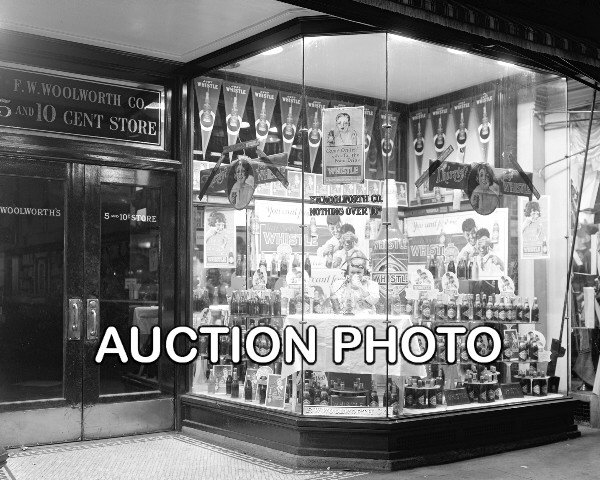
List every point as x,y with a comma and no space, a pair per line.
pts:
483,189
241,182
219,238
533,227
343,150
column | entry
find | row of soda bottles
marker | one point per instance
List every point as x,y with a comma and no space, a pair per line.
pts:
479,307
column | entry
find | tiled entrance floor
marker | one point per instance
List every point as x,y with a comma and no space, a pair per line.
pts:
161,457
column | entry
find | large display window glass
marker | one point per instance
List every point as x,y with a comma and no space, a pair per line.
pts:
364,189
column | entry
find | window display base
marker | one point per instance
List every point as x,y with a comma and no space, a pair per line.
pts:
377,444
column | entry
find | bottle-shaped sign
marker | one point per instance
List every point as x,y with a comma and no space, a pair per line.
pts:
432,266
288,129
262,124
314,133
484,128
233,120
439,137
207,116
418,142
390,252
461,136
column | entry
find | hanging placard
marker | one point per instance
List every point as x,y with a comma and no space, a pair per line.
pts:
461,112
290,104
236,95
484,105
264,103
241,182
207,96
344,154
314,107
389,127
439,122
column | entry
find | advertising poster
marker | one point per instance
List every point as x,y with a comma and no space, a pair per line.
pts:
207,96
401,192
343,152
279,226
439,234
219,238
264,103
533,227
275,397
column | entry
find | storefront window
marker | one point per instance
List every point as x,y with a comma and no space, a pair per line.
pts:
383,182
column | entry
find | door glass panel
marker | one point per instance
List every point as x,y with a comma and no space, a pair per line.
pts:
129,284
31,288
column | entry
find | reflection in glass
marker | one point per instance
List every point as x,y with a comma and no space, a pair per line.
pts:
129,286
31,288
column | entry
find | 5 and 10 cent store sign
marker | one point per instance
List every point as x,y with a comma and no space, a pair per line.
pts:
53,103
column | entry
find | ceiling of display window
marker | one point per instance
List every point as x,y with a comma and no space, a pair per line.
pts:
181,30
355,64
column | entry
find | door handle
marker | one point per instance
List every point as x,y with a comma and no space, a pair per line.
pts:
93,315
74,328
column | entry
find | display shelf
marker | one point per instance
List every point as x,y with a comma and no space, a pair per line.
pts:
476,405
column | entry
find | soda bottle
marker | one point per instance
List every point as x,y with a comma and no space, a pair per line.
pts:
235,385
451,309
451,266
502,311
489,310
526,312
535,311
461,271
478,314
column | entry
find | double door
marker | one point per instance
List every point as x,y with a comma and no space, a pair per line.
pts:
83,248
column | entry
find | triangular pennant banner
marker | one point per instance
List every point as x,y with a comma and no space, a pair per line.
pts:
236,95
418,121
439,122
264,103
484,106
461,112
389,127
369,122
291,104
207,96
314,120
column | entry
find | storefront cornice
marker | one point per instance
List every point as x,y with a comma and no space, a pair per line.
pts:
473,29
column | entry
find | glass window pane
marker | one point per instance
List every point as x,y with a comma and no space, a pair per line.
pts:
32,219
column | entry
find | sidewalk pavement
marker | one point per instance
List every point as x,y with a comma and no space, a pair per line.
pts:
179,457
